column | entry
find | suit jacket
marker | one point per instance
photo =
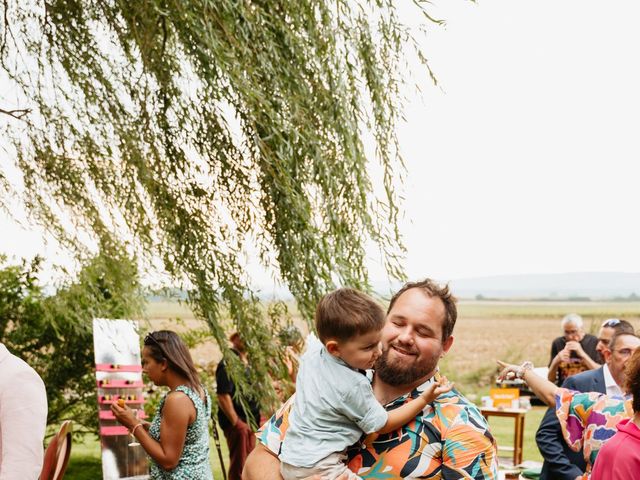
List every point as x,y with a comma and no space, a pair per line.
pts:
560,462
23,418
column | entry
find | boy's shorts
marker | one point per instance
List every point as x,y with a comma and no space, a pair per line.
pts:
330,468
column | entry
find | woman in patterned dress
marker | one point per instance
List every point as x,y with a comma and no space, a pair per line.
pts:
588,420
177,439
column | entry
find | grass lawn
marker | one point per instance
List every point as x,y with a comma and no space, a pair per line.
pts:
85,455
485,331
85,464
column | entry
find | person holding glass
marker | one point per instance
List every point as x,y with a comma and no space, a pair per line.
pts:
177,439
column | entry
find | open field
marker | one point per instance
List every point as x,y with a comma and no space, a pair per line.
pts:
486,330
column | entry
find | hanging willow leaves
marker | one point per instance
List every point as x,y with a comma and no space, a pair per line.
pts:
198,131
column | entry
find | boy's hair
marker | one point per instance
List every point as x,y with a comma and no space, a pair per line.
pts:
345,313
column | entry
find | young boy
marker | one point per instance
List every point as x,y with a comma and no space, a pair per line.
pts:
334,402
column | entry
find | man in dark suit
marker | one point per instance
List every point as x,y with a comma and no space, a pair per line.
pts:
560,462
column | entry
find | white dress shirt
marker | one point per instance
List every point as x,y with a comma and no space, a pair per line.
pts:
613,389
23,419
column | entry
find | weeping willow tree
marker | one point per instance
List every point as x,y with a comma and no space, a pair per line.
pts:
199,132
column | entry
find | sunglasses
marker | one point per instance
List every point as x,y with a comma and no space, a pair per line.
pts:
612,322
151,339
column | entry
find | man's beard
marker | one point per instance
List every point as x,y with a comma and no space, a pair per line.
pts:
396,373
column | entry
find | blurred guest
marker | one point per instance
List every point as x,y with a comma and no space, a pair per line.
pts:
291,338
23,418
177,440
234,420
619,459
560,462
574,352
608,329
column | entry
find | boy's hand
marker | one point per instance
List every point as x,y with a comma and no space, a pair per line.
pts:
435,389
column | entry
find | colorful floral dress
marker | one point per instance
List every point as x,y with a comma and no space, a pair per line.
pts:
588,420
194,461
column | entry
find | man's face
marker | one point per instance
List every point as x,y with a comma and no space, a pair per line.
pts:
237,343
617,358
604,337
573,333
412,339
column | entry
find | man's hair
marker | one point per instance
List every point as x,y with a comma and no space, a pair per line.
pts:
632,371
614,339
572,318
345,313
619,326
433,290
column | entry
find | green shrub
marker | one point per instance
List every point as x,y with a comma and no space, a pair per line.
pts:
53,333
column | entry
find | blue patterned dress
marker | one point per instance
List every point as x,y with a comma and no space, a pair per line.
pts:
194,461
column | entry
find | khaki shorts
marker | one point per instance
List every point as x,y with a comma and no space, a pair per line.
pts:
330,468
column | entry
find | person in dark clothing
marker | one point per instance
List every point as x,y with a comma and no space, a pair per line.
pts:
574,352
560,462
234,420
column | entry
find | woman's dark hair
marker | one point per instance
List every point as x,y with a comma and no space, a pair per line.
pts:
167,345
632,371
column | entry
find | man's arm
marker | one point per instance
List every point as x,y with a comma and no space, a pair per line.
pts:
24,419
552,448
562,356
224,388
261,464
226,405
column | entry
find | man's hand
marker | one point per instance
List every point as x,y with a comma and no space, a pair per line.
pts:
563,355
242,426
576,347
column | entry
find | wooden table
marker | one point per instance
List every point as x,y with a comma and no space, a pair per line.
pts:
518,438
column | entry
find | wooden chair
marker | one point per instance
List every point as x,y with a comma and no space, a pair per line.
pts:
56,456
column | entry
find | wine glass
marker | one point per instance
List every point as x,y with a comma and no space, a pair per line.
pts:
134,442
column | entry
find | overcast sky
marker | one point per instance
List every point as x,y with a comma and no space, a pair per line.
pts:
525,158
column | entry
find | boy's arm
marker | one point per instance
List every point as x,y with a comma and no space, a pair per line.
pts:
407,412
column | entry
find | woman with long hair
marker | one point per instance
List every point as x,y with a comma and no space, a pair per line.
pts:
177,439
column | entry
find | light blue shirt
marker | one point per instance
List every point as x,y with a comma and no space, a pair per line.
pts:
334,404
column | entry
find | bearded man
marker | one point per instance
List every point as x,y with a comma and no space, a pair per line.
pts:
447,440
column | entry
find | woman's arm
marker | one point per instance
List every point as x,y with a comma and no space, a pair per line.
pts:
178,412
544,389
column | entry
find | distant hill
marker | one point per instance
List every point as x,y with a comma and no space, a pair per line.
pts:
560,286
594,285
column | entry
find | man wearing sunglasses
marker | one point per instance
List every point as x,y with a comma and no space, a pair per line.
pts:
560,462
609,328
